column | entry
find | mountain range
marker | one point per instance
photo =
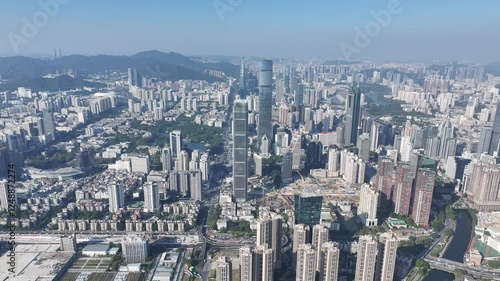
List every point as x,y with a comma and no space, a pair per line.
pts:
24,71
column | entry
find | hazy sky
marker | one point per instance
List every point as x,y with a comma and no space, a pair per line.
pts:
423,30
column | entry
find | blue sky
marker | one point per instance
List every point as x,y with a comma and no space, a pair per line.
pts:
424,30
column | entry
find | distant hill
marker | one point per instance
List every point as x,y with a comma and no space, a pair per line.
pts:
166,66
60,83
493,68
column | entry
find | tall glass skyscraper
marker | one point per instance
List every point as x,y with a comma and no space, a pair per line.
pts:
265,126
307,209
242,80
495,136
240,147
352,116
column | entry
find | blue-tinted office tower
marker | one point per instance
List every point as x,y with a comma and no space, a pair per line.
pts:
265,126
240,147
352,116
243,82
495,136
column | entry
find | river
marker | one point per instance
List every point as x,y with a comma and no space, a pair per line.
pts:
457,247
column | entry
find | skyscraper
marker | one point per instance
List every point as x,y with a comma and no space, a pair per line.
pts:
116,197
484,186
364,147
68,243
286,167
223,270
300,236
495,136
134,77
319,237
48,124
166,159
307,209
182,161
368,204
422,200
243,82
403,188
329,262
240,147
246,264
386,262
446,131
195,185
352,116
175,143
366,258
306,263
135,249
384,181
484,140
151,197
265,126
269,232
262,265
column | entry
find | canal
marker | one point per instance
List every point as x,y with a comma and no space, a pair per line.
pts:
457,248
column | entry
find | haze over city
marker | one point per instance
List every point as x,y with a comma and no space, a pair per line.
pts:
423,31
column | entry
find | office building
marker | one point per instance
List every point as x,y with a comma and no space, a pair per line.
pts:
375,132
366,258
48,125
166,159
422,200
495,135
319,237
265,126
307,209
352,117
306,263
446,131
175,143
243,82
68,243
151,197
484,140
386,263
368,204
286,167
363,146
329,262
223,270
240,147
134,77
116,197
135,249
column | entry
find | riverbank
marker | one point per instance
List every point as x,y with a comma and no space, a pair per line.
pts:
457,247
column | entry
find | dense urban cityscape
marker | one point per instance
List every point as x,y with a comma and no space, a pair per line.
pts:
164,166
